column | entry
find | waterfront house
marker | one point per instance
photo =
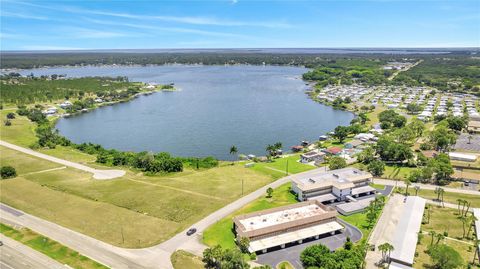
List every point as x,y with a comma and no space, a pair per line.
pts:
313,156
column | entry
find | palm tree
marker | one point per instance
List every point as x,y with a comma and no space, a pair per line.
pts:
458,205
269,149
384,249
407,183
476,242
439,237
233,151
432,234
388,248
464,223
471,221
468,207
417,188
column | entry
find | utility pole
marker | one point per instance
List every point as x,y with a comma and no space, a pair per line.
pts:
242,186
286,169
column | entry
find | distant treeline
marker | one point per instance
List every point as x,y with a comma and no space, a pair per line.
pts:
27,60
29,90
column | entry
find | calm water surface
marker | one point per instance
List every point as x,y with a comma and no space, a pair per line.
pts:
214,108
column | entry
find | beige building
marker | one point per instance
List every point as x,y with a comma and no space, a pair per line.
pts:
474,126
282,226
333,185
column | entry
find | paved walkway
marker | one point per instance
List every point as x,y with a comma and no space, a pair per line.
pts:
97,174
400,183
15,255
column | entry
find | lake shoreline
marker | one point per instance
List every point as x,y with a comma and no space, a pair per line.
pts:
251,84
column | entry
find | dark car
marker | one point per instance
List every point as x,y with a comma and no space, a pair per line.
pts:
191,231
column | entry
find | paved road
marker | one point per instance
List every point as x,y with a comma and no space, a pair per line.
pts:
14,255
400,183
292,252
153,257
97,174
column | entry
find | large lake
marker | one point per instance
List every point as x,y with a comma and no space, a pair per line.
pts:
215,107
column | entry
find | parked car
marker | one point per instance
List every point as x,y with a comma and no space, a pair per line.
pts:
191,231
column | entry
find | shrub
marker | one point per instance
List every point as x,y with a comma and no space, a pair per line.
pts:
11,116
7,172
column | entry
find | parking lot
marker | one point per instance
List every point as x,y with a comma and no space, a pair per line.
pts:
292,252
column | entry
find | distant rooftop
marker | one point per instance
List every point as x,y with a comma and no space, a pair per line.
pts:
340,178
282,216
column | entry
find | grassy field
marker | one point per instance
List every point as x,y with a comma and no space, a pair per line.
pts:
285,265
24,163
278,167
157,206
22,133
393,172
443,220
449,197
185,260
50,248
221,233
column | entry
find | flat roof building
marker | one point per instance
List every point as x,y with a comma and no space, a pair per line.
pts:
339,184
406,236
286,225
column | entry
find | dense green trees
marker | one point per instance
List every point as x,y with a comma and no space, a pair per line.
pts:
390,150
319,256
442,138
341,132
218,258
390,118
445,257
32,90
336,162
7,172
376,168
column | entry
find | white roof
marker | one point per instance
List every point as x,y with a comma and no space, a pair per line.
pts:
324,197
361,190
476,213
279,217
289,237
406,233
462,156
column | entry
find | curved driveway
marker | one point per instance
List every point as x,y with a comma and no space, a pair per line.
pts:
97,173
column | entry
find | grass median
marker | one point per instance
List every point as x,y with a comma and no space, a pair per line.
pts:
51,248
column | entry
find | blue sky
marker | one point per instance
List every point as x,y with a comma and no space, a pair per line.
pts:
53,25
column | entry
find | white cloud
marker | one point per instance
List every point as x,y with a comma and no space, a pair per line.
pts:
22,16
166,29
193,20
48,47
78,32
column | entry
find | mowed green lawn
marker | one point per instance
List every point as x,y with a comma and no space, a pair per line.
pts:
24,163
22,133
147,210
448,197
221,232
51,248
185,260
444,220
278,167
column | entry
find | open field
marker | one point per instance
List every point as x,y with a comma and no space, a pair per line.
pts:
221,233
185,260
158,206
443,220
22,133
24,163
449,197
278,167
50,248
